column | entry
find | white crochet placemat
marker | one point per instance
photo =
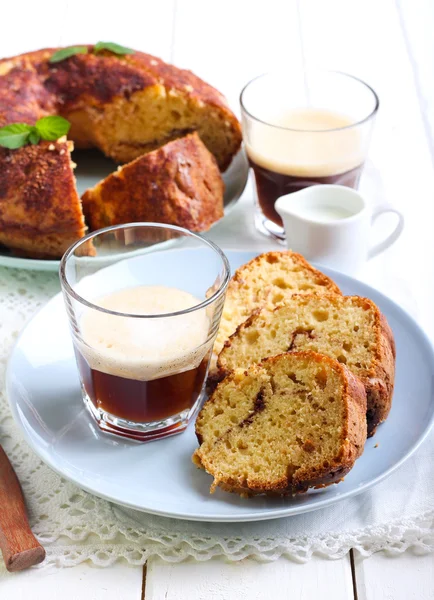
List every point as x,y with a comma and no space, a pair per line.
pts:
75,526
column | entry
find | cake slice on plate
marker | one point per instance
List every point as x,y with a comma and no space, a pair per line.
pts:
349,329
264,282
292,422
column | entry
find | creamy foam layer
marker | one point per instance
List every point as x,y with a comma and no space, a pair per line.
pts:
145,349
313,150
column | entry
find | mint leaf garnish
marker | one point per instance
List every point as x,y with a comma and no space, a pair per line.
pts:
52,128
14,136
112,47
65,53
34,136
17,135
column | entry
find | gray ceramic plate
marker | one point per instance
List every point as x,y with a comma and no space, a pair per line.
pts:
92,166
159,477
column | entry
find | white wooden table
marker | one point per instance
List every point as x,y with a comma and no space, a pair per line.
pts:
385,42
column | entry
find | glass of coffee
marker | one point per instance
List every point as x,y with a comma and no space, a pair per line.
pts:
144,303
302,129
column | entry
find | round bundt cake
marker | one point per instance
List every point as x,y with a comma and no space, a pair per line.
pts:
123,105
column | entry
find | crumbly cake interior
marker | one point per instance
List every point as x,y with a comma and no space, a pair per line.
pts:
148,119
261,428
268,282
341,327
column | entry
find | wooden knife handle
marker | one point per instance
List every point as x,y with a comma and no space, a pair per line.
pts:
19,546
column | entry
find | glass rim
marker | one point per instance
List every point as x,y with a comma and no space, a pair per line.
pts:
66,286
360,122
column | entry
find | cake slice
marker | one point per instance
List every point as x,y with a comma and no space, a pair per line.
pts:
266,281
292,422
178,184
349,329
40,210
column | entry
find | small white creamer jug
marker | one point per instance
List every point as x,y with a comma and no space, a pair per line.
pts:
330,225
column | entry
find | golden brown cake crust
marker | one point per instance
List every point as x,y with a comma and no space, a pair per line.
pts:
84,86
378,379
380,385
23,99
99,78
274,256
39,214
351,443
179,184
265,290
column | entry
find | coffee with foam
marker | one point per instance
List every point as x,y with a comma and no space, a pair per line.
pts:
306,143
299,148
145,348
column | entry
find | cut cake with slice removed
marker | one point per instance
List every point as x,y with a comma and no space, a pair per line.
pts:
179,184
266,281
293,422
349,329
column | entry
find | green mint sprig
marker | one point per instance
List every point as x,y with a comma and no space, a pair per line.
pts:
17,135
14,136
65,53
112,47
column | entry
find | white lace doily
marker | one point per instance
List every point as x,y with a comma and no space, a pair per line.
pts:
75,526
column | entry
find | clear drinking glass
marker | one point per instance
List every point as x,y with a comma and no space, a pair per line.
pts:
144,302
304,128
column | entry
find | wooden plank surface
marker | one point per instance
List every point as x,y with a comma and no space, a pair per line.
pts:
403,577
249,580
83,582
417,18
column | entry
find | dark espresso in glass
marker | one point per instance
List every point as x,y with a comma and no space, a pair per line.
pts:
270,185
142,401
